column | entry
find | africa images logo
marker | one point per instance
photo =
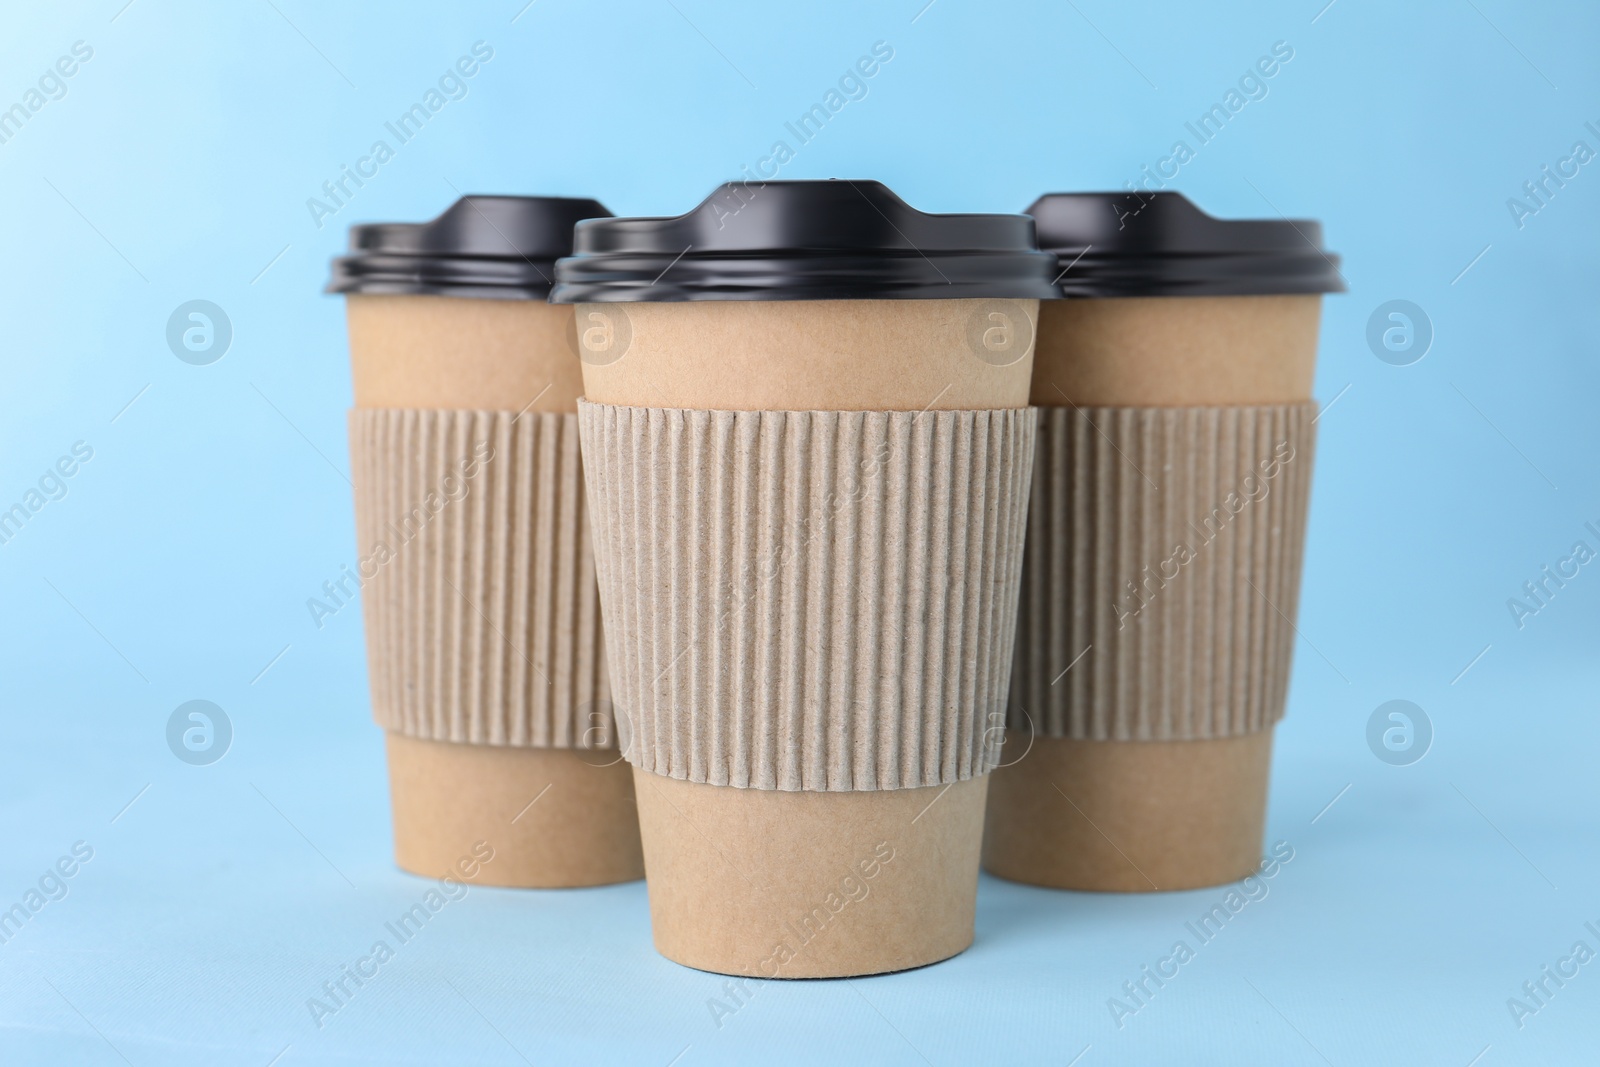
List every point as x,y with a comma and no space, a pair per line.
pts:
1399,733
199,332
199,733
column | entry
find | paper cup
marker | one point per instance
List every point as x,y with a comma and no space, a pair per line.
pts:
808,505
1166,531
483,628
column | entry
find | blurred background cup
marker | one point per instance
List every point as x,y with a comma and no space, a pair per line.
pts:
476,571
1165,534
806,431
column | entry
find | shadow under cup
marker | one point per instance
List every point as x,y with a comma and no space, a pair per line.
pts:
1165,541
483,627
806,811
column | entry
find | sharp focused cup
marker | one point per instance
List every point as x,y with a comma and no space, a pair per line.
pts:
806,431
476,572
1165,535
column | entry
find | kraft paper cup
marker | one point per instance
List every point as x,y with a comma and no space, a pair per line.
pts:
808,482
484,641
1164,545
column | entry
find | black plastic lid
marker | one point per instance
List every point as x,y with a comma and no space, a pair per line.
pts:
804,240
494,247
1160,244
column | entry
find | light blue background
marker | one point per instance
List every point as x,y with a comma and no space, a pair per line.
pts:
177,166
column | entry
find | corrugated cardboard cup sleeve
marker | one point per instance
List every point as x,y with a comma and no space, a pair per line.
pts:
820,601
1162,571
482,613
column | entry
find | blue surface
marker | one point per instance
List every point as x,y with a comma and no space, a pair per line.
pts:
176,165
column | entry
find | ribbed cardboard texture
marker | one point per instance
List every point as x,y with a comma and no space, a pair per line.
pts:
483,618
912,355
811,600
1163,566
1190,811
472,675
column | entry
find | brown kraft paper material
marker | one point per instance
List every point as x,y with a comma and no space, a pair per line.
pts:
1081,810
556,818
471,355
1129,816
474,678
1176,351
827,599
1167,542
482,614
732,871
810,884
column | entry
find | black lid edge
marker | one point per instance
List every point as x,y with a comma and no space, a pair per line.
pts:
1129,244
494,247
838,239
